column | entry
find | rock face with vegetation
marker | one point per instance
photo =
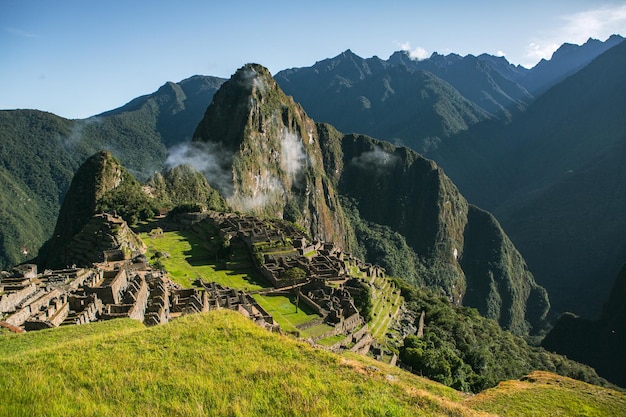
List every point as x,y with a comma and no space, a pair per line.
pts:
455,246
181,185
100,184
269,155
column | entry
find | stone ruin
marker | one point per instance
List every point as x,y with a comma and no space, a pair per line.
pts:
114,288
121,287
323,263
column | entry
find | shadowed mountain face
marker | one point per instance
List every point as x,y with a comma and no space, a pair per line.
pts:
422,103
555,179
275,161
394,102
600,343
541,148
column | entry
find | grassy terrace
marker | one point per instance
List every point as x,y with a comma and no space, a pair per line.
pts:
385,308
188,259
283,309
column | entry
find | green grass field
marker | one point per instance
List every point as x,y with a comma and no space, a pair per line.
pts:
216,363
219,363
283,309
188,259
543,393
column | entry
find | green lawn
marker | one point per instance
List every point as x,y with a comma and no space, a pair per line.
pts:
283,309
189,259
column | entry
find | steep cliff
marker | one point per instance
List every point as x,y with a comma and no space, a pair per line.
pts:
269,151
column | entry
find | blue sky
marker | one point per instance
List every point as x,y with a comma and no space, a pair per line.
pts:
80,58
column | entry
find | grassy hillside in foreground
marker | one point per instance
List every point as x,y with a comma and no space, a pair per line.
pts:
219,363
551,395
208,364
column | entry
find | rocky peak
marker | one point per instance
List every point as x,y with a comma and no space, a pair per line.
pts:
270,149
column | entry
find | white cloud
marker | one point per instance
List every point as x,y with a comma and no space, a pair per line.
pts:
500,53
598,23
20,32
577,28
415,53
535,51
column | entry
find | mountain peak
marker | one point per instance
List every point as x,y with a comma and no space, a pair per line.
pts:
99,174
269,154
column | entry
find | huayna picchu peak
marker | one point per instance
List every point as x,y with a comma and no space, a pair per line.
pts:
270,151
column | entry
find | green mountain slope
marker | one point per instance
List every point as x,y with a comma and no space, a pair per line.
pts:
226,366
384,99
39,153
457,247
101,184
600,343
554,178
36,168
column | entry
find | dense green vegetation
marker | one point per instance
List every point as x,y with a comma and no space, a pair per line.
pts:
128,201
462,349
601,343
383,246
183,186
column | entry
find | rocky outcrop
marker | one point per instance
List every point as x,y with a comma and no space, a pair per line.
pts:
99,175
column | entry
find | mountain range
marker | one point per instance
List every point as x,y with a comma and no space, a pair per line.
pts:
380,201
505,135
540,148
